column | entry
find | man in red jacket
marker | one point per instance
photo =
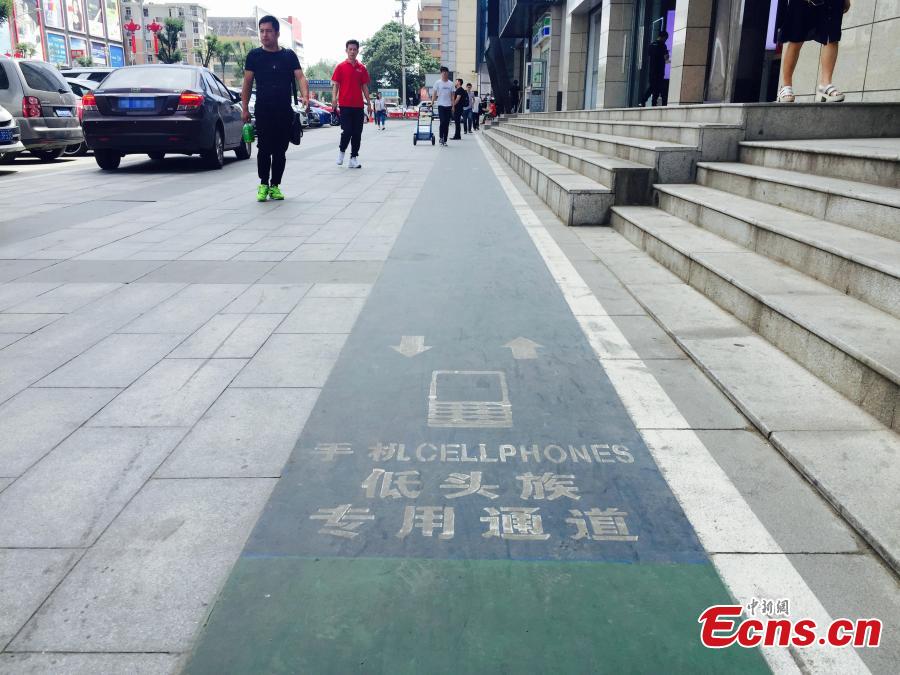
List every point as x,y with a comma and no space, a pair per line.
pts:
350,93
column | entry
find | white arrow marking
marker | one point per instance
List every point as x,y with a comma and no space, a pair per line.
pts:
411,345
523,348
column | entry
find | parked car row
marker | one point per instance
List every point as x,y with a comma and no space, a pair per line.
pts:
150,109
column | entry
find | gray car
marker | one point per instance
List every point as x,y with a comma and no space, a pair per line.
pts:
43,106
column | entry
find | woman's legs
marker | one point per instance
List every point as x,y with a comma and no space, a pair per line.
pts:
790,53
826,62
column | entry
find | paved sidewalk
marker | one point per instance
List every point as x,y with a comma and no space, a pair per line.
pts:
395,423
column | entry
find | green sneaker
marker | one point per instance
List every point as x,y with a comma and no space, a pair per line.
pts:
262,193
276,193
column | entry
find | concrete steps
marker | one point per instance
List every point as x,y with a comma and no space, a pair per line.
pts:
866,160
716,141
673,162
631,182
574,198
847,455
867,207
862,265
849,345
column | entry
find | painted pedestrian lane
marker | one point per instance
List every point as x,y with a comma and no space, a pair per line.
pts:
469,494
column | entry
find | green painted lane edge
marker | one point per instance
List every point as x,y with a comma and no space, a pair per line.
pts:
402,615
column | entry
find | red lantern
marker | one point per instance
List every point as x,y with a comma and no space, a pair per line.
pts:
132,28
155,28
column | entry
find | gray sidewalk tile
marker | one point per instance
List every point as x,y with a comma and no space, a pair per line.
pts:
186,311
11,294
34,421
94,271
214,251
7,339
25,323
647,338
208,338
246,236
26,579
292,361
249,336
317,252
116,361
246,433
149,582
65,299
174,393
89,664
323,315
4,482
210,272
340,291
268,299
295,272
16,269
261,256
68,498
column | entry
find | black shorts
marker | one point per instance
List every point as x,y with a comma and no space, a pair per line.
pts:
800,21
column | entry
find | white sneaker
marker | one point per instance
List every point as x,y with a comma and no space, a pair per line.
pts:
340,158
354,163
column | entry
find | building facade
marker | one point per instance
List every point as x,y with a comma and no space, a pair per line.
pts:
61,32
429,16
459,38
720,51
143,49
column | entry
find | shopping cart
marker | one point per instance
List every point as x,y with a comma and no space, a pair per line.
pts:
423,130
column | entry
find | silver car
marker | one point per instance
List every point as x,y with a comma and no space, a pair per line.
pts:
10,143
43,106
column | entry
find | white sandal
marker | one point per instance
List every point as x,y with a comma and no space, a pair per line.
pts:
829,94
786,94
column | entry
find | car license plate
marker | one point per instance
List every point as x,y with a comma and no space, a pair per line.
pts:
63,112
136,104
6,135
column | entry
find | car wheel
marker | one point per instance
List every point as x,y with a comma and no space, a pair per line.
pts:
48,155
75,150
156,156
215,156
415,139
244,150
107,160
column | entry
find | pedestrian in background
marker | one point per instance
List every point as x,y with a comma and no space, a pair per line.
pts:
467,111
460,100
443,96
380,112
350,92
476,110
657,58
275,71
798,21
513,102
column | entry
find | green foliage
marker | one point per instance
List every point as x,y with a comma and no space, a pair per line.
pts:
209,49
86,61
323,69
5,11
168,41
26,49
239,51
224,54
381,54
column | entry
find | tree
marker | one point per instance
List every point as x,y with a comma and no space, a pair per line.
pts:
5,11
323,69
381,54
86,61
224,53
209,49
26,49
239,51
168,41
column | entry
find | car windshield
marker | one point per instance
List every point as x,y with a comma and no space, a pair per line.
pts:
151,77
41,77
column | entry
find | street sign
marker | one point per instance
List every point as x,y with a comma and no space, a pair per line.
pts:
389,93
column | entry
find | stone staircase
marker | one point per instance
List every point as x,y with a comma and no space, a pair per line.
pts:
787,247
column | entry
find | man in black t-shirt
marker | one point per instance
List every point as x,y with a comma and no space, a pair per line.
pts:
460,101
275,71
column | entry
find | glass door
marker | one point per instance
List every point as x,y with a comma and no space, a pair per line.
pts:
592,70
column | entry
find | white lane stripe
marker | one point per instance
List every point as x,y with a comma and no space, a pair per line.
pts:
748,560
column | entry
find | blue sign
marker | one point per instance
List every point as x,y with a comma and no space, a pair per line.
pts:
77,47
98,53
56,48
116,56
320,84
